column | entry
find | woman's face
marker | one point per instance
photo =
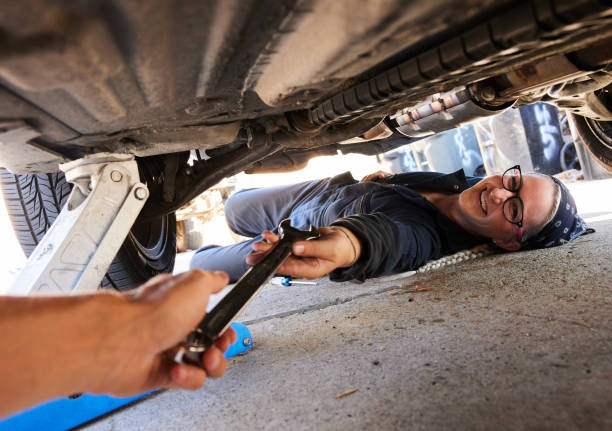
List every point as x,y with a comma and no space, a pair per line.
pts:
480,208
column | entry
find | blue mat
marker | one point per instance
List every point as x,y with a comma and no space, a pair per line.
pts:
65,413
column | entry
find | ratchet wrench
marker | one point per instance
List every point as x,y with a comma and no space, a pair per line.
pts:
190,351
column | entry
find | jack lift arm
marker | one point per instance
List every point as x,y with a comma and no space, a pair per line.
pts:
79,247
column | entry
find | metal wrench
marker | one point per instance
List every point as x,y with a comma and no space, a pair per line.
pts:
190,351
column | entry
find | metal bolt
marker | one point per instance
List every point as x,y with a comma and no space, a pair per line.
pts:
140,193
247,341
116,176
249,142
488,94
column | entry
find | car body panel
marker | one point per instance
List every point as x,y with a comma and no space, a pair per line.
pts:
160,77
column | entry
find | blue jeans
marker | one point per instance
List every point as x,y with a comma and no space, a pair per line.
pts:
249,212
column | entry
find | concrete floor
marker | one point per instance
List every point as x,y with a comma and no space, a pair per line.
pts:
514,341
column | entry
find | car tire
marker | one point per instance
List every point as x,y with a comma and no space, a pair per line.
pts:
34,201
568,157
597,138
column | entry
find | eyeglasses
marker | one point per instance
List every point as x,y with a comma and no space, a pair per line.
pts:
512,180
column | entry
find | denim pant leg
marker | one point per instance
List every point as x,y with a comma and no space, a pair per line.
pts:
230,259
250,212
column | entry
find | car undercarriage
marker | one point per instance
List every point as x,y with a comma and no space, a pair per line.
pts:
198,91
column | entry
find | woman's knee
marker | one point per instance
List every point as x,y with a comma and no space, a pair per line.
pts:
239,209
233,203
232,214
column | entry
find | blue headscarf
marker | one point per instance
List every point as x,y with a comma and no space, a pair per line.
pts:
565,226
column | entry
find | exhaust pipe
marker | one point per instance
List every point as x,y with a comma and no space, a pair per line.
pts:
446,111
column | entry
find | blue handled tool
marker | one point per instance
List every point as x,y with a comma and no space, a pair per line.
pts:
288,281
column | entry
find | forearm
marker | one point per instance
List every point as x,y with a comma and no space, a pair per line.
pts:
390,244
119,344
50,345
379,252
354,246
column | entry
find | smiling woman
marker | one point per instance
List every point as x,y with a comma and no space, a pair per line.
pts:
509,208
396,223
539,206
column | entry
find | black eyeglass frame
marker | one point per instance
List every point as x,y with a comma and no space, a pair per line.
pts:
517,197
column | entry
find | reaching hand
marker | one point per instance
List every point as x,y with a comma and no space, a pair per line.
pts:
174,306
111,343
337,247
375,175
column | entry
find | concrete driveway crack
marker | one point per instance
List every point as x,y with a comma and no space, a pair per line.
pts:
319,306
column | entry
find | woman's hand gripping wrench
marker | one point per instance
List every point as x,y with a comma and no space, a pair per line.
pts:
190,351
